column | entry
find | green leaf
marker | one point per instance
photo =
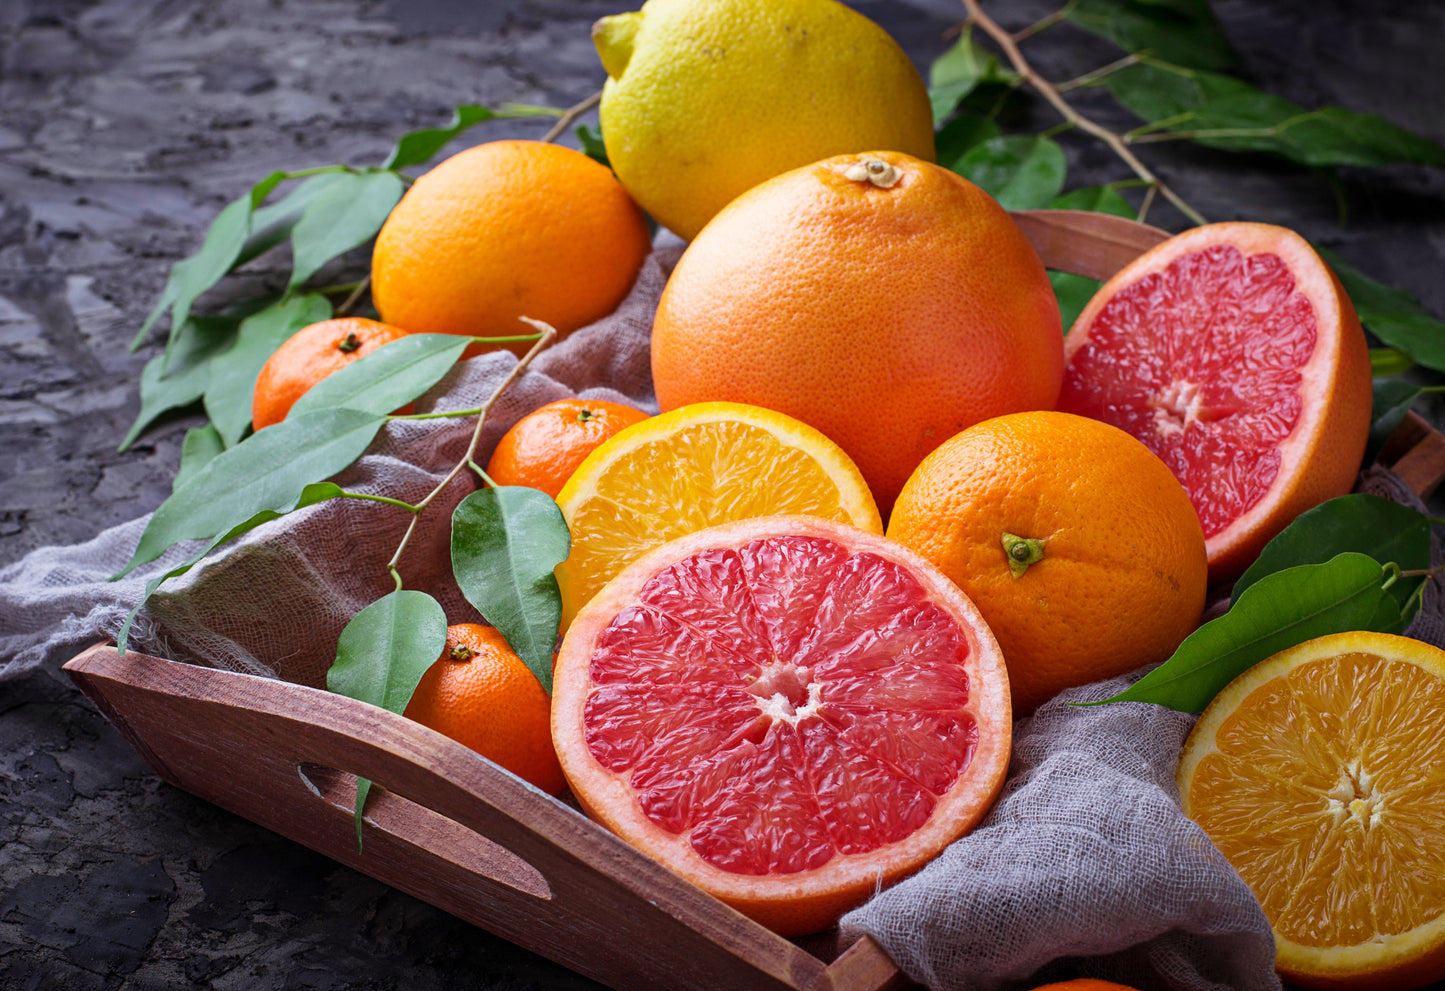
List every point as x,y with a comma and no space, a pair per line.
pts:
1073,293
224,240
270,470
961,134
417,147
505,543
271,224
1393,400
232,382
1096,199
1224,112
1387,361
311,495
199,341
387,378
200,446
1276,612
592,144
383,653
1182,31
1392,315
1022,172
346,215
958,71
1362,524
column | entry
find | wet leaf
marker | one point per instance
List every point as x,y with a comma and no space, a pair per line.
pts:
232,382
1358,523
1185,32
346,215
200,446
387,378
1022,172
505,543
420,146
958,71
270,470
381,657
1277,611
1224,112
1392,315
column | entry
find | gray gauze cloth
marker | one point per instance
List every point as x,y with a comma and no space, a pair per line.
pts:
1085,866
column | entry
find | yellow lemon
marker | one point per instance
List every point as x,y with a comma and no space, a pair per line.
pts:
707,98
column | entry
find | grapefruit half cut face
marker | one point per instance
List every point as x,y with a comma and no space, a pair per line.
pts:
1234,354
786,711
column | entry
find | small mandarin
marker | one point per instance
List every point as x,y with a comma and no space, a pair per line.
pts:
480,694
307,357
544,448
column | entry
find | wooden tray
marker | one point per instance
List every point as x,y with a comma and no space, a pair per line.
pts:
455,830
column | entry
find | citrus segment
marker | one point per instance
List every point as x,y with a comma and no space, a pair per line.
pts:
1317,774
1232,352
784,710
693,468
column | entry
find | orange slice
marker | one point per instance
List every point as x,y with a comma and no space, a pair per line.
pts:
786,711
692,468
1320,774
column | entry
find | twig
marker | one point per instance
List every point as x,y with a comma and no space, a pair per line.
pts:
1044,23
1148,202
350,301
549,333
1089,78
1048,91
565,121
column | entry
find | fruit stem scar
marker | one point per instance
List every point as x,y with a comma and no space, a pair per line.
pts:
462,653
1021,552
876,171
349,344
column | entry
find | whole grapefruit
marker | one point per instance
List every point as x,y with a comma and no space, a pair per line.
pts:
879,298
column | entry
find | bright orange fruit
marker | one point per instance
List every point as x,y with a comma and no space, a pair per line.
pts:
544,448
505,230
1234,354
1078,545
1317,773
307,357
786,711
879,298
480,694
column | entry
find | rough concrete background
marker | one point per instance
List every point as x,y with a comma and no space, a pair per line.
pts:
126,124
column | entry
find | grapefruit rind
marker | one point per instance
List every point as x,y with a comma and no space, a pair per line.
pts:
809,900
1322,454
855,501
1402,961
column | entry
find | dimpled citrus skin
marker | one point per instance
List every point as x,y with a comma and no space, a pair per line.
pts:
505,230
491,703
544,448
889,319
708,98
307,357
1123,573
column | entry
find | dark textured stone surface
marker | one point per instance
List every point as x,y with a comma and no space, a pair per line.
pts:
124,126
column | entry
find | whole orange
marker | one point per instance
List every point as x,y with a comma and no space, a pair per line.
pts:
1076,542
544,448
505,230
480,694
307,357
878,298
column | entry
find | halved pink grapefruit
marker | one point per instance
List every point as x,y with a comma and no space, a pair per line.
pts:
1234,354
786,711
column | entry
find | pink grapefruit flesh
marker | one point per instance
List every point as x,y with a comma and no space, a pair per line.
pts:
1233,353
785,711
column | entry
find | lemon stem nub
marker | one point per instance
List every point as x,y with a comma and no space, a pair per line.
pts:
1022,552
613,36
874,170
